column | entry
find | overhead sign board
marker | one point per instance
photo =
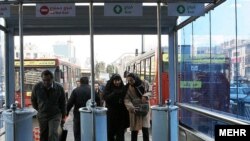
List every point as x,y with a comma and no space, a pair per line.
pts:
4,10
55,10
113,1
37,63
192,1
123,9
185,9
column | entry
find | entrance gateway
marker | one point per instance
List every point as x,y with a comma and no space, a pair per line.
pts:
23,21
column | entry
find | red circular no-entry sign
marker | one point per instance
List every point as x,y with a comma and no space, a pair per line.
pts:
44,10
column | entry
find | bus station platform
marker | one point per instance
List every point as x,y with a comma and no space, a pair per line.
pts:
69,126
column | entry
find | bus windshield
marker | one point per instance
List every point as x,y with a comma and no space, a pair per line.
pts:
31,77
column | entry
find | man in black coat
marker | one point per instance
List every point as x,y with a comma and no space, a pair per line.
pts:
78,99
48,98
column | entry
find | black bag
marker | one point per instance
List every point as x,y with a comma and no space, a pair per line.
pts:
142,109
63,136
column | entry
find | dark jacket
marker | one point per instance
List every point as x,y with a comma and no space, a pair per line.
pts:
48,102
117,114
79,98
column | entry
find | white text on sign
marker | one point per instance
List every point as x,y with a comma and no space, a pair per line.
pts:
123,9
55,10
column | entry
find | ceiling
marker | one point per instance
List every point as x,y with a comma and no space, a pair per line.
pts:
79,24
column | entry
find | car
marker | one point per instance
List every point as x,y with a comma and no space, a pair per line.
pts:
2,98
239,93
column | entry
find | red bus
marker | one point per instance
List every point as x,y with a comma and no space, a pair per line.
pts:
145,66
65,73
203,82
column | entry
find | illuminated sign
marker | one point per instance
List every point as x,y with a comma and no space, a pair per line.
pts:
36,63
55,10
207,61
4,10
186,9
190,84
123,9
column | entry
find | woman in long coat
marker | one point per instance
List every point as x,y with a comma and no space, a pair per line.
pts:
135,95
117,114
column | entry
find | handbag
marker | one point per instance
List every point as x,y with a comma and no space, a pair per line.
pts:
142,109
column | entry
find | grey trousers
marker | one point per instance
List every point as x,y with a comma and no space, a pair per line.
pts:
49,128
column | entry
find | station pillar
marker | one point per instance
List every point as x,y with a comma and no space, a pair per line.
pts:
18,123
164,123
93,123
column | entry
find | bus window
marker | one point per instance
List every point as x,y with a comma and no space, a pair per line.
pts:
58,74
32,74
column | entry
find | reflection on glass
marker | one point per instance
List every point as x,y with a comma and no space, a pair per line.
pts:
215,65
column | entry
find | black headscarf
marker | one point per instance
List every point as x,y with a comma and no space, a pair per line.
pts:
140,90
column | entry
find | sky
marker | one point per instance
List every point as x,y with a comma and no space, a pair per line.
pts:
107,48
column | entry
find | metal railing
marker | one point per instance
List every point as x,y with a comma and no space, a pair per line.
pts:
214,115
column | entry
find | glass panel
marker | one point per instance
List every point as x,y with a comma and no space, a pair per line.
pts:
218,73
148,72
153,67
142,69
240,52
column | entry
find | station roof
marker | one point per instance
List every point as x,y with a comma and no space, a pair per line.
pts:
79,24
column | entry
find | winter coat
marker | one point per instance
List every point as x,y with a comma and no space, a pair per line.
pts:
48,102
136,121
117,114
79,98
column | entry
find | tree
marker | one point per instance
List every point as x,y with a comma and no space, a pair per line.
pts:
99,67
110,69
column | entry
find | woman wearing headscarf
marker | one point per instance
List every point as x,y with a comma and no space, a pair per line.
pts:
117,114
134,96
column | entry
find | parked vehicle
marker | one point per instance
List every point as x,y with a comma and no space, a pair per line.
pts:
2,98
240,94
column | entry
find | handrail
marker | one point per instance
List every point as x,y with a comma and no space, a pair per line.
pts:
214,115
1,134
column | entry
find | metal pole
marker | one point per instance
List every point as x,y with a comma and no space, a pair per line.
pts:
21,54
92,66
13,108
142,44
159,53
9,69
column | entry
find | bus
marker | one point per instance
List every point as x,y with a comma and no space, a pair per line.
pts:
65,73
193,74
145,66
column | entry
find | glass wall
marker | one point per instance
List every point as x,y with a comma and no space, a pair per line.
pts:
215,65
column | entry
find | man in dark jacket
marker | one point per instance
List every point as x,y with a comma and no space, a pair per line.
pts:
48,98
78,99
